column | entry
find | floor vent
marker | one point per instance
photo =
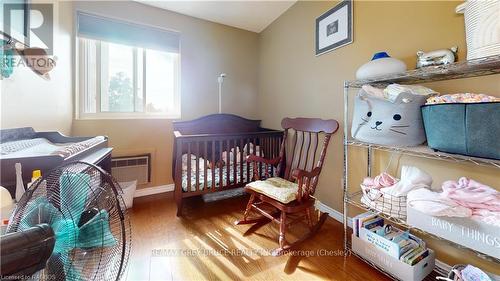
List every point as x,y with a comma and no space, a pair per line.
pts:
130,168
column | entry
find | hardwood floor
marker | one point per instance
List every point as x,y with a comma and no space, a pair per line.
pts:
206,245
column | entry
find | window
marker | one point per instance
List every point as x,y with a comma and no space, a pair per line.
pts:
121,78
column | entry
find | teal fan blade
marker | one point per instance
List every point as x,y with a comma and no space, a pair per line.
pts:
96,232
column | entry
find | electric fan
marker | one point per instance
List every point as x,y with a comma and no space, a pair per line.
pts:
69,225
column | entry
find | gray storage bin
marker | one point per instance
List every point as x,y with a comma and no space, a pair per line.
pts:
395,267
471,129
474,234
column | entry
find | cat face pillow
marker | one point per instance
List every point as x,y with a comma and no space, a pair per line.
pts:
381,121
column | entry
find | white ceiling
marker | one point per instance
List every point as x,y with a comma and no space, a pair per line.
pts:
245,14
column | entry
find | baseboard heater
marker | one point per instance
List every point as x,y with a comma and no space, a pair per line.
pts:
130,168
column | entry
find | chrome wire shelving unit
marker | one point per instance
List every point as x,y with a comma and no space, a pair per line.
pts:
466,69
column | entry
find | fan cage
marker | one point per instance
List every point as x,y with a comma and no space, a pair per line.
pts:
100,191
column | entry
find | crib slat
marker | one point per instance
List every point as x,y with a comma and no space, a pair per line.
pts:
264,150
189,167
247,149
228,163
271,152
197,168
205,165
221,167
259,164
241,161
235,162
268,148
214,165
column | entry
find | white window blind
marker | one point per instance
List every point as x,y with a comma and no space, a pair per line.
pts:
126,33
126,70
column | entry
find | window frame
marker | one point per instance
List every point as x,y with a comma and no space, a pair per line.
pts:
80,93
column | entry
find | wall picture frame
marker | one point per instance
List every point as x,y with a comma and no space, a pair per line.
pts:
334,28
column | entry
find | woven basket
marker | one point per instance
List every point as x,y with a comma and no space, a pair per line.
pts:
482,27
394,206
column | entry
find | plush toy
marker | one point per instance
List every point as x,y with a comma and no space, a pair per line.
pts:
390,118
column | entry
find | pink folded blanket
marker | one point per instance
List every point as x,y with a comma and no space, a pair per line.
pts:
472,194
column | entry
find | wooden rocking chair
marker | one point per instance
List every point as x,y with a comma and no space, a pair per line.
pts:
291,193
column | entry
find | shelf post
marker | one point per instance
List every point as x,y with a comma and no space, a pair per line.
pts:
369,161
346,158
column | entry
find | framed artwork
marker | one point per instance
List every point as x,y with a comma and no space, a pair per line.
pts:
334,28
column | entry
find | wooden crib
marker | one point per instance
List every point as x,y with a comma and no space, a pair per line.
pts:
210,153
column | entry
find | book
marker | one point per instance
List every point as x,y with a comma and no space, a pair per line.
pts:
417,240
418,257
379,230
408,247
358,220
404,257
371,223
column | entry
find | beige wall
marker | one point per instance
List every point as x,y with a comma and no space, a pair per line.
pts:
207,49
270,76
294,82
30,101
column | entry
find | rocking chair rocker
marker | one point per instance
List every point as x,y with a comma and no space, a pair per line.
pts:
290,193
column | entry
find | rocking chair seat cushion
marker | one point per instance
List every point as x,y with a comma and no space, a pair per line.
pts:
277,188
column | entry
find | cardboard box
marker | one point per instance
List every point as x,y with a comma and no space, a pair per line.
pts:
392,265
473,234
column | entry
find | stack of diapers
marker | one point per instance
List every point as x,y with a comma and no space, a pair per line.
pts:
390,116
387,194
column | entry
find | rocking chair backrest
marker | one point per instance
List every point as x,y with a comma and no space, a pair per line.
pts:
304,146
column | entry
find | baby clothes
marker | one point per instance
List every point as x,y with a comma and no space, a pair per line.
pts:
472,194
462,198
432,203
382,180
